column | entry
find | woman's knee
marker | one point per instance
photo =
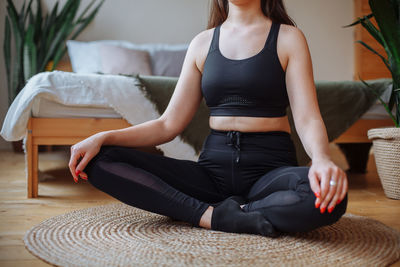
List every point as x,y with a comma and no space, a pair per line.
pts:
308,217
340,209
106,153
326,218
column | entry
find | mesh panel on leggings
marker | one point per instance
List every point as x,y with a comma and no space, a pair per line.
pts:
136,175
142,189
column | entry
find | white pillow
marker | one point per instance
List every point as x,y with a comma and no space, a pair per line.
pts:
85,56
120,60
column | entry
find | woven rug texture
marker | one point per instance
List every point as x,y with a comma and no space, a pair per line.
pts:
120,235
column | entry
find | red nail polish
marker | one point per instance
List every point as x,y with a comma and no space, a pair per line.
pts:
75,180
337,203
77,172
317,195
323,210
317,205
85,178
330,209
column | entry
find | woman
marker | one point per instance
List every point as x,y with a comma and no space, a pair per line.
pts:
250,64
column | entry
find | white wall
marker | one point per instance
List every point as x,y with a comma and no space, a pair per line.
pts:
331,45
178,21
172,21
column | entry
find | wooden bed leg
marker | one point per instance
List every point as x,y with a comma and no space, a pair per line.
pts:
35,171
32,158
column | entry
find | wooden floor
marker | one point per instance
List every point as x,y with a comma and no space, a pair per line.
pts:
60,195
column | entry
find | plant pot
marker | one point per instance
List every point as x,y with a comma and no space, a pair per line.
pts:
386,145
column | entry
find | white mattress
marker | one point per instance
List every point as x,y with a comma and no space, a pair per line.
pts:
48,109
44,108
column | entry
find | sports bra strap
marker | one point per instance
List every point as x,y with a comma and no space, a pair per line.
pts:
272,37
215,39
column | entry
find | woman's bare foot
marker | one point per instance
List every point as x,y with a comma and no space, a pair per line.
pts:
205,220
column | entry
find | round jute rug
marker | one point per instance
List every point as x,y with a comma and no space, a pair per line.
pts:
120,235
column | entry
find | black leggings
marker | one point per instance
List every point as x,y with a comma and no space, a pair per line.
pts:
261,167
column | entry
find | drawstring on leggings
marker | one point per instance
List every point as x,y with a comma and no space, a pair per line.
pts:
233,139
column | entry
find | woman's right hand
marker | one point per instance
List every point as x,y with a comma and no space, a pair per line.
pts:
82,153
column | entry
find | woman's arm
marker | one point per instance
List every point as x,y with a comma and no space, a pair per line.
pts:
308,121
183,105
179,112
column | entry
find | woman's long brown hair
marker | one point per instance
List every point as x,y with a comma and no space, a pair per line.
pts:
273,9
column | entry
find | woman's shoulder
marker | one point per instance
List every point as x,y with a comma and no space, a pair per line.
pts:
203,38
200,45
290,35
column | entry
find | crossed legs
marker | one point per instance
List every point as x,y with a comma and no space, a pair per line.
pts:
183,190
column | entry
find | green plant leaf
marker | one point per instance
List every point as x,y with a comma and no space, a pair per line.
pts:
367,24
31,17
13,9
50,37
375,52
381,100
391,100
387,16
28,8
58,55
7,51
53,13
58,39
85,11
41,50
86,21
53,17
67,12
29,53
12,12
21,16
17,73
389,24
40,37
396,91
38,22
358,21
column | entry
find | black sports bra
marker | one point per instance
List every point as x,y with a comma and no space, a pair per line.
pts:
253,87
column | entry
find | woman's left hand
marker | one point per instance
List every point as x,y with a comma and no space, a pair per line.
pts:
329,183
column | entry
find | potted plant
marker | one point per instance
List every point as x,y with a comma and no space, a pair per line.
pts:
39,40
386,141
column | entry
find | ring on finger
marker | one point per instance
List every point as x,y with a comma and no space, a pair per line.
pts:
332,182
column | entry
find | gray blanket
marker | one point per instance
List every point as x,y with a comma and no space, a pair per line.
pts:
341,103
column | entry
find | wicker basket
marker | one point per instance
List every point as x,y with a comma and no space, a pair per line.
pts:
386,145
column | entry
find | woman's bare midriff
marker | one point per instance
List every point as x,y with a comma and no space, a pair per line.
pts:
249,124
